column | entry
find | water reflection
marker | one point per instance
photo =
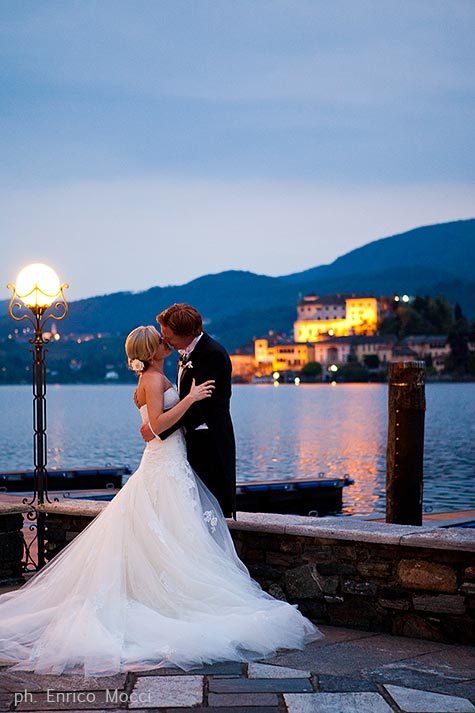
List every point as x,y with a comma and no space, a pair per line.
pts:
313,429
281,432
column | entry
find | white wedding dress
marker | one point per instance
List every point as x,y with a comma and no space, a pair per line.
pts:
153,581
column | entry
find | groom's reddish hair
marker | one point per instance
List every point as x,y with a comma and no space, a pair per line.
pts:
182,319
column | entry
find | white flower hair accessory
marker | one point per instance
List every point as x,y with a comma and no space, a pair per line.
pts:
137,366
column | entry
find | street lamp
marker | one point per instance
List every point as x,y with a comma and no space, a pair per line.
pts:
39,290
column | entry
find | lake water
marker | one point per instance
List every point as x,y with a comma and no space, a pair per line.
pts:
281,432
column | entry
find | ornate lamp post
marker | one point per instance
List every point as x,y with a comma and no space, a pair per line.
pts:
37,297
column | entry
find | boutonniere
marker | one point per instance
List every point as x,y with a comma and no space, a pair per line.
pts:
185,362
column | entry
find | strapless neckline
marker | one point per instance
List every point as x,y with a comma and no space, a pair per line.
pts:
170,398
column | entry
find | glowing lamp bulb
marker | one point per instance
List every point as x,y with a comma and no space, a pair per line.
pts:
275,375
37,285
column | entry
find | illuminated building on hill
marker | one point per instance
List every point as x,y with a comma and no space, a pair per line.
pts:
319,318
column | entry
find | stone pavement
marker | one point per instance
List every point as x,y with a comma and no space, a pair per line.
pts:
346,672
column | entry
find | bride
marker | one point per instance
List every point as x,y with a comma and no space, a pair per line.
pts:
154,580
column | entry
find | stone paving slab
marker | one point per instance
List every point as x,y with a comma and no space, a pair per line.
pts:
66,701
365,653
260,670
451,661
218,709
261,685
424,681
347,672
342,684
21,680
231,700
167,691
410,700
334,634
221,668
336,703
465,689
6,701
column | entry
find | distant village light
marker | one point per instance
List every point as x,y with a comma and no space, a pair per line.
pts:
333,368
297,380
276,375
405,298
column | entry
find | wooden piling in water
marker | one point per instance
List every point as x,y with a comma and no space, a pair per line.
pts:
405,449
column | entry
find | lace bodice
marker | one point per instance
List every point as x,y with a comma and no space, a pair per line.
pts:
170,398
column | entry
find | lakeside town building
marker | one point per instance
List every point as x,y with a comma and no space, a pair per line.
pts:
334,330
336,316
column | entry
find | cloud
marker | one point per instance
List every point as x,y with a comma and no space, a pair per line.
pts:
105,237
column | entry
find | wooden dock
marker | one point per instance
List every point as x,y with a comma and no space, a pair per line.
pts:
18,481
299,496
452,518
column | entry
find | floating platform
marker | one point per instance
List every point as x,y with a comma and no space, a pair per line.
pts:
21,481
299,496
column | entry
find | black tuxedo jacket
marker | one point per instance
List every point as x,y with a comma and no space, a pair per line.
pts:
212,451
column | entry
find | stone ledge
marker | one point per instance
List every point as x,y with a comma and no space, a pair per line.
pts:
78,508
348,528
14,508
328,528
455,538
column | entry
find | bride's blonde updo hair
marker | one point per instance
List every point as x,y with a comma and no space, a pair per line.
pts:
140,346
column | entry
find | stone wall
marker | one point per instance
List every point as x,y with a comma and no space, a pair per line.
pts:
420,592
409,581
11,547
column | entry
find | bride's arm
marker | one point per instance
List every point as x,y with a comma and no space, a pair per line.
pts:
154,388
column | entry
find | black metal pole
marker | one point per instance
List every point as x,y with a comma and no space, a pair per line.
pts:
44,306
39,439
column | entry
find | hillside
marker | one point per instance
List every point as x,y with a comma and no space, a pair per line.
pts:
237,305
444,249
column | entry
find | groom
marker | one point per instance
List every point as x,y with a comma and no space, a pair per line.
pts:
210,444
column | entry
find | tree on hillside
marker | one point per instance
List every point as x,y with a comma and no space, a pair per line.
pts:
425,315
460,361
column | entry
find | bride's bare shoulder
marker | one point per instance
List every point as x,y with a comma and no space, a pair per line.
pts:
153,378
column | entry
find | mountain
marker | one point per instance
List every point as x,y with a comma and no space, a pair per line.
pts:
238,305
443,250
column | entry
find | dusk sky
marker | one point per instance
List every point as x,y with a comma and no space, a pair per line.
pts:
149,142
